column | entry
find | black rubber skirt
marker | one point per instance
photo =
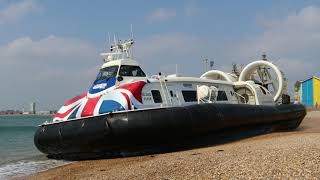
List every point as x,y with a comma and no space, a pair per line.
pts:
124,130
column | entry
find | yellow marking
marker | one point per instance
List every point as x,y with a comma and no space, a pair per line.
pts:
316,91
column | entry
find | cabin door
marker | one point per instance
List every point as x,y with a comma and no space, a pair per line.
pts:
174,97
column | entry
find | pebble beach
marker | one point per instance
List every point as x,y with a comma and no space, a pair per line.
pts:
279,155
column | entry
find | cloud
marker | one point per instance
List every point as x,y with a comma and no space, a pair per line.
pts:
292,41
18,10
308,17
53,69
296,35
191,9
161,52
162,14
48,71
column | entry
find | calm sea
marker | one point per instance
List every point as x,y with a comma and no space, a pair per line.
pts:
18,155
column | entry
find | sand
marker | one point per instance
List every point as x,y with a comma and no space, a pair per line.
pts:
280,155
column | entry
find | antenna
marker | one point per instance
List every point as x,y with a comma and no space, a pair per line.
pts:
114,39
120,49
176,69
211,64
235,69
205,61
109,39
131,29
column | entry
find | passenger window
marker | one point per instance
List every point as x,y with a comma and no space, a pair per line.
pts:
222,96
189,96
156,96
134,71
107,72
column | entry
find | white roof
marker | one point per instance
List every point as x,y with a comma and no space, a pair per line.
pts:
119,62
192,79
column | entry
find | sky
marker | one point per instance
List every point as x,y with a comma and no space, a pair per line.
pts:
49,50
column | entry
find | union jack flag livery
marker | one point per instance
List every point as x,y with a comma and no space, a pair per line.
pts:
124,97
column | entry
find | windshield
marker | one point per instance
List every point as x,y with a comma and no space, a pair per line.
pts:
107,72
135,71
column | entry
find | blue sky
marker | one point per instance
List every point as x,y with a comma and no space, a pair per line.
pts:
49,50
90,20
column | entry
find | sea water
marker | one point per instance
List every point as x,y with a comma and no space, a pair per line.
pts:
18,155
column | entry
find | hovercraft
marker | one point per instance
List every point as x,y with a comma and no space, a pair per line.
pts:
125,108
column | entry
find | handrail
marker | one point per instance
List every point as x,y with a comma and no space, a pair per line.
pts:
165,99
241,97
177,96
169,96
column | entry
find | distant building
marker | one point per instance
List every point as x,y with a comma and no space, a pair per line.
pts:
310,92
33,108
10,112
46,112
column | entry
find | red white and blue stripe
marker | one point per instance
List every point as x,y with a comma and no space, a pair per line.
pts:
124,97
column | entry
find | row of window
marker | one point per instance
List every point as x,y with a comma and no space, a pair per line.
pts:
188,96
125,70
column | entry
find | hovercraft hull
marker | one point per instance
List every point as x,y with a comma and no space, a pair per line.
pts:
124,130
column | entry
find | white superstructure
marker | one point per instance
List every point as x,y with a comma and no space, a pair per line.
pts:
121,85
175,90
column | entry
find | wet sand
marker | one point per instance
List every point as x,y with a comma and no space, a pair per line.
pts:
280,155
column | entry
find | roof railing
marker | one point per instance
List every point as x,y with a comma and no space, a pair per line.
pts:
119,50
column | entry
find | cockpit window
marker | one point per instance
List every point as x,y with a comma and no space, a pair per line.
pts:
107,72
135,71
